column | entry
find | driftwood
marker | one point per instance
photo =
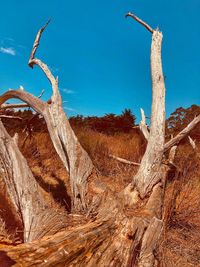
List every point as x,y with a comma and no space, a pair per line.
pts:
117,229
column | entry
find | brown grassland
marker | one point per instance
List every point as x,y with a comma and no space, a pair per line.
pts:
180,243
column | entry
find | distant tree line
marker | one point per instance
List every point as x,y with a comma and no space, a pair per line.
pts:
109,124
180,118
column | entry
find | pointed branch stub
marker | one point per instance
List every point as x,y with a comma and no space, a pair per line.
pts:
143,126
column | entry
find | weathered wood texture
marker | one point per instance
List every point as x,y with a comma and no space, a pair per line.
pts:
75,158
37,216
148,174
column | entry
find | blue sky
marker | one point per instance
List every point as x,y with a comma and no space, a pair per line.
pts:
101,58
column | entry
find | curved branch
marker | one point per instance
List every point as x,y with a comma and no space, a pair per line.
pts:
21,105
75,159
140,21
34,102
182,134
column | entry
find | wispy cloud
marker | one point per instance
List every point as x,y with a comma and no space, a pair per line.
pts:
8,50
70,109
54,69
67,91
9,46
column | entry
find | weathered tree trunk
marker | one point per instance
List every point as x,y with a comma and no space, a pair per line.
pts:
122,229
149,174
74,157
37,216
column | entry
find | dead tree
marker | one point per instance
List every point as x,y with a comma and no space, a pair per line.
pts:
123,229
24,192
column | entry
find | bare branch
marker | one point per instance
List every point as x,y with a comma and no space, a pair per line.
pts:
136,127
124,160
35,61
21,105
182,134
143,126
75,159
140,21
10,117
36,43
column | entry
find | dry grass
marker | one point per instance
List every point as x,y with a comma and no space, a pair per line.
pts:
180,245
99,146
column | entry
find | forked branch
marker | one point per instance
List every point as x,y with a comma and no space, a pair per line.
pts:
35,61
